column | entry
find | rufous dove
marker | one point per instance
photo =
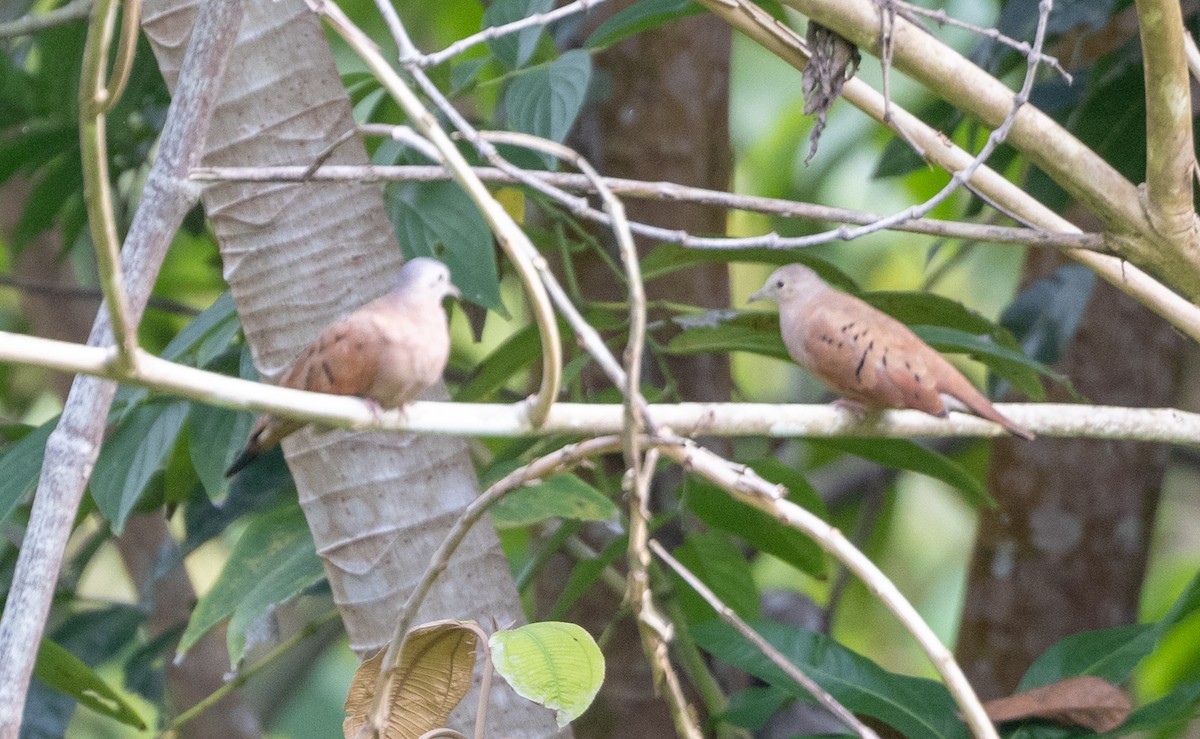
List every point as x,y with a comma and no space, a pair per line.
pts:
386,352
864,354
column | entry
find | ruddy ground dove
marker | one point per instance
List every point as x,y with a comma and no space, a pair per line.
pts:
387,352
866,355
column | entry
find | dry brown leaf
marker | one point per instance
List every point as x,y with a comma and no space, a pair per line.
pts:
1089,702
834,60
434,674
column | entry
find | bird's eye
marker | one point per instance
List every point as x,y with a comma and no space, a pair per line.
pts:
779,283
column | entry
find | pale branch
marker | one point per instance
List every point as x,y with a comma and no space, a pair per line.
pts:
494,32
745,485
97,188
1166,425
761,27
729,616
1193,55
529,263
1170,146
76,10
667,191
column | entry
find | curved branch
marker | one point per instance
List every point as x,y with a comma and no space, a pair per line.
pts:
1170,148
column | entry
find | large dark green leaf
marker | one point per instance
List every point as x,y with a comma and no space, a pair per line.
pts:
718,509
135,452
1008,363
929,309
639,17
559,496
438,219
273,560
515,49
65,672
913,706
719,565
213,438
545,100
1045,316
21,464
906,455
518,352
721,331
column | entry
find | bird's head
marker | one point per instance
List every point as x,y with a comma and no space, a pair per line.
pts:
790,282
426,276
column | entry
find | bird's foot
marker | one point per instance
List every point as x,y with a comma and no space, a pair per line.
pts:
853,407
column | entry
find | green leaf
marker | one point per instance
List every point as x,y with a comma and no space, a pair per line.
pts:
723,330
639,17
718,509
554,663
1010,364
22,463
274,544
913,706
584,573
929,309
191,336
289,576
135,452
560,496
65,672
1046,315
214,434
437,219
515,49
38,142
546,100
721,567
517,352
751,708
1173,710
906,455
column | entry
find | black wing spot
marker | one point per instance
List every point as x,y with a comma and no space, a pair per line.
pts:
861,361
328,371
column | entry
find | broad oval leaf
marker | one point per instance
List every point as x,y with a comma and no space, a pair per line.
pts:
434,673
515,49
546,100
719,565
554,663
135,452
718,509
915,707
22,463
276,545
65,672
438,219
560,496
907,455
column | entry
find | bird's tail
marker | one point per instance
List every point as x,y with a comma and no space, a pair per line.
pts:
263,436
248,455
979,405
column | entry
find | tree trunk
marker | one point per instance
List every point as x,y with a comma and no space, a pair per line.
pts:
666,119
1066,549
296,258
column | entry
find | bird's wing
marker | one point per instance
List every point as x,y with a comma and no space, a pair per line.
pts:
343,360
871,357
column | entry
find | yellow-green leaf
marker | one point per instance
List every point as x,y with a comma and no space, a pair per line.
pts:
554,663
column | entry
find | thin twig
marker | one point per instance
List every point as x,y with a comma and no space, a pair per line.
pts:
76,10
91,294
727,614
131,17
745,485
244,676
670,191
1023,48
97,190
494,32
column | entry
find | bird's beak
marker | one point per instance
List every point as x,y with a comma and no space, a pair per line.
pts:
762,294
453,291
